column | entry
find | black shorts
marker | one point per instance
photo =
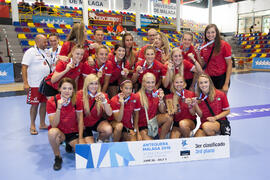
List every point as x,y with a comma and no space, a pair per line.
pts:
88,130
189,82
70,137
219,81
142,128
115,83
176,124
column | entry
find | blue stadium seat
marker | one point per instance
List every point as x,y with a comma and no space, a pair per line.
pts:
18,29
24,43
16,24
33,30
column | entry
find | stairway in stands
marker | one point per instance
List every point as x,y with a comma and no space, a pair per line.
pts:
13,43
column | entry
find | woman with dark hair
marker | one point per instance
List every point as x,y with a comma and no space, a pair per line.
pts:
62,111
215,57
120,68
131,54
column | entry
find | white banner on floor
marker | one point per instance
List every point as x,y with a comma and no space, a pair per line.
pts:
151,152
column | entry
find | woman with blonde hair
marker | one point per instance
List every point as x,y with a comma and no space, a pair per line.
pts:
150,64
162,46
70,68
188,51
78,35
179,106
212,108
151,101
178,65
101,67
94,106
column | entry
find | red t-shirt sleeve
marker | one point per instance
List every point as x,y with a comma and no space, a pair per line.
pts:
108,68
224,100
79,101
141,53
227,50
114,104
61,66
187,65
137,103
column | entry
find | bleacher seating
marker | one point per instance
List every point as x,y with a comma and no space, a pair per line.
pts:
254,44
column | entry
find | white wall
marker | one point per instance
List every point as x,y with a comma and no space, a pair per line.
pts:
225,17
250,5
199,15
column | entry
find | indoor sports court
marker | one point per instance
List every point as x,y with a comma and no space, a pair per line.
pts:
27,155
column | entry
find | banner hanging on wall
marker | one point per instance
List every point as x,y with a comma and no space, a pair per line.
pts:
52,20
6,73
102,18
95,4
261,63
151,152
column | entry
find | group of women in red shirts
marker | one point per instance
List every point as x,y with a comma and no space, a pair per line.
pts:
118,94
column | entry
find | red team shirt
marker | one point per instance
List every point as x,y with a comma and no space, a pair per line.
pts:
158,69
217,65
93,117
219,104
184,110
188,67
189,74
67,46
117,68
61,66
141,56
130,106
68,121
152,109
107,70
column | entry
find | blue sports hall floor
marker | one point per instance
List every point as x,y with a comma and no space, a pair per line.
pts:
24,156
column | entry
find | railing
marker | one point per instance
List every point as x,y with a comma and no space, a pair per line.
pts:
8,50
243,62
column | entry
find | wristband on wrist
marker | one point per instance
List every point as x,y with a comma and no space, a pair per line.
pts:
105,101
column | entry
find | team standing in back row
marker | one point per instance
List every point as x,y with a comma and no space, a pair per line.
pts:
126,94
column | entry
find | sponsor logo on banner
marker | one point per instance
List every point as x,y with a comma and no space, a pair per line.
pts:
185,150
101,18
261,63
151,152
